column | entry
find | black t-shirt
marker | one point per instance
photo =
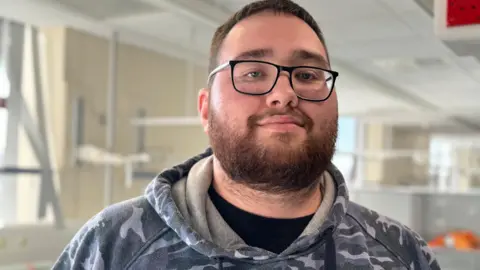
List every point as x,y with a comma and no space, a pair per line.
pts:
271,234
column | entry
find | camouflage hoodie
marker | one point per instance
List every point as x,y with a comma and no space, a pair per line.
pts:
150,232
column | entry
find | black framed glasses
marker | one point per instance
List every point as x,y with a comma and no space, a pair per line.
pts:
254,77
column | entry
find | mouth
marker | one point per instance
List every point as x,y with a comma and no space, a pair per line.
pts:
281,123
281,120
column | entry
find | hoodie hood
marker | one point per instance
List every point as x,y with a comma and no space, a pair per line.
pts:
159,195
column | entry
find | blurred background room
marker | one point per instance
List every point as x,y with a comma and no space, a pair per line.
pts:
99,96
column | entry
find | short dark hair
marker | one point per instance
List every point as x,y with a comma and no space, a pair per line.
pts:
277,6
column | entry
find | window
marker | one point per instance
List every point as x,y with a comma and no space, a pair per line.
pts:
441,163
346,144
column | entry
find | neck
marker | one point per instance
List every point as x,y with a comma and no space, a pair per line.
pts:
284,206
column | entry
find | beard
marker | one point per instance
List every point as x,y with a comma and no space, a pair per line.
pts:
280,165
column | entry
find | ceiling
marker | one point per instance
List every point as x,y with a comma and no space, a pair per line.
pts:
393,68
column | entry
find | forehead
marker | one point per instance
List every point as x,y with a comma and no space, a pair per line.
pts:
281,33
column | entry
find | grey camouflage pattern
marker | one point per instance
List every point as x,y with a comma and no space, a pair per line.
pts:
149,232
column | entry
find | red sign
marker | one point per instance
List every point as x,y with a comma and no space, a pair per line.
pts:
463,12
3,103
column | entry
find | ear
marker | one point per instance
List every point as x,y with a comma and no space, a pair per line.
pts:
203,107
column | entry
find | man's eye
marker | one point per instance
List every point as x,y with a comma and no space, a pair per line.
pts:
254,74
305,76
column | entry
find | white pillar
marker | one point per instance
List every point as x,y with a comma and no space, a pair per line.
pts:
13,60
111,117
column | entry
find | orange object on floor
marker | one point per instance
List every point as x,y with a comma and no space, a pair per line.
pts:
461,240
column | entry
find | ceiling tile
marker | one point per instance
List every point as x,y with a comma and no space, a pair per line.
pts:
386,48
105,9
342,10
372,28
400,6
158,25
354,101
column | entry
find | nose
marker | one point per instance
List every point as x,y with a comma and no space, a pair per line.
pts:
282,94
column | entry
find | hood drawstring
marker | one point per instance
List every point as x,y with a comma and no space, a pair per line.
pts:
330,251
220,263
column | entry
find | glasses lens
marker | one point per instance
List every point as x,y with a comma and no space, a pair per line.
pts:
254,77
312,83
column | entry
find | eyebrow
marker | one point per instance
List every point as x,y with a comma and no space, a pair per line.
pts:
254,54
297,56
303,55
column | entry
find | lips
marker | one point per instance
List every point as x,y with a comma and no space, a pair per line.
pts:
280,119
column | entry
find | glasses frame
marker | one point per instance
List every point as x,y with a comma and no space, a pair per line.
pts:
233,63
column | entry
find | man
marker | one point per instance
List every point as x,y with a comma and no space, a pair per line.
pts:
266,196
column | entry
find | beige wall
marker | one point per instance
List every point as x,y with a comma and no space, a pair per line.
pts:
398,170
78,66
375,140
405,170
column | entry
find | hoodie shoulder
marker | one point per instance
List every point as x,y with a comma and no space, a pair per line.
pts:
404,243
112,238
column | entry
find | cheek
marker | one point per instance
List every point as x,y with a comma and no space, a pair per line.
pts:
321,113
333,100
221,94
229,105
215,102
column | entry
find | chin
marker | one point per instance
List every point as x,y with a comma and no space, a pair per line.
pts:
285,138
283,147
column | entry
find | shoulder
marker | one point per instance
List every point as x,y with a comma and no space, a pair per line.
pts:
134,218
404,243
112,237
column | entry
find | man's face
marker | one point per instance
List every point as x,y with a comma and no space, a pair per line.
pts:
275,142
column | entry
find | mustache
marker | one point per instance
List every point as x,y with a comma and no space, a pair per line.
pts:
304,119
